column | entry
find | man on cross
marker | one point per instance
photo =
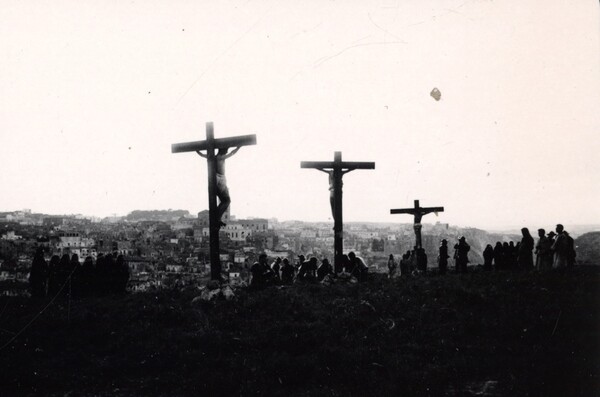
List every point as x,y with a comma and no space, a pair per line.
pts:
332,187
222,189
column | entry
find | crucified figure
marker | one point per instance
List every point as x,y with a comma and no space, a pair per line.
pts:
332,186
222,190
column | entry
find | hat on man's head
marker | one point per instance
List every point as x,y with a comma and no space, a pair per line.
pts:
462,238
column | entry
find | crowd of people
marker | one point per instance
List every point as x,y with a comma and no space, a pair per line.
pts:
66,276
552,250
282,272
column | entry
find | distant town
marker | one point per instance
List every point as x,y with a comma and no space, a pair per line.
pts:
166,248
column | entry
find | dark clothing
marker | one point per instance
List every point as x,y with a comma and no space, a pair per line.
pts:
324,270
461,258
443,259
488,257
38,276
526,253
499,256
543,252
421,260
287,274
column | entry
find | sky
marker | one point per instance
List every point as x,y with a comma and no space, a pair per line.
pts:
93,94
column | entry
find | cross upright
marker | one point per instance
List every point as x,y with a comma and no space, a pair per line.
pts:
216,164
418,212
336,170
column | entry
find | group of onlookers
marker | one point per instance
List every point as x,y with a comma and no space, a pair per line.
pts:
311,270
552,250
67,276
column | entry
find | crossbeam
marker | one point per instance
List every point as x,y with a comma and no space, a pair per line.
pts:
220,143
336,170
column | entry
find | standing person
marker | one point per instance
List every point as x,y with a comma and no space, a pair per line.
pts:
488,257
443,257
392,266
287,272
526,250
498,255
512,255
276,267
421,260
405,264
571,250
560,248
461,255
222,189
38,276
543,252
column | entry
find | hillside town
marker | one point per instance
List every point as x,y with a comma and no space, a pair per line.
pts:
171,247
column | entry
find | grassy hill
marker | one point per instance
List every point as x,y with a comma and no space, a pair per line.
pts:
492,334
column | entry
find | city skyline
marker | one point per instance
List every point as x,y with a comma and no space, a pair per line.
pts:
94,95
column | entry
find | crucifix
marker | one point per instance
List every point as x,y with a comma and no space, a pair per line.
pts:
336,170
418,212
217,184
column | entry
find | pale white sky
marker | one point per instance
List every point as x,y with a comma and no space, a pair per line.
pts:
93,93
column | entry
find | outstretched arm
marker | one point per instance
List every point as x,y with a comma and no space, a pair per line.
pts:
201,154
325,171
234,151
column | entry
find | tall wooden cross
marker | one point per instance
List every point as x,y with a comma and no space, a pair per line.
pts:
418,212
210,145
336,170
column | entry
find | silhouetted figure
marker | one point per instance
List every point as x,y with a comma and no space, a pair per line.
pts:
63,275
543,252
324,269
443,257
102,274
38,276
346,264
461,255
75,283
53,276
87,277
512,255
287,272
359,267
301,260
392,266
526,250
222,189
488,257
262,275
560,248
405,265
121,275
421,260
276,267
498,256
571,255
506,255
308,270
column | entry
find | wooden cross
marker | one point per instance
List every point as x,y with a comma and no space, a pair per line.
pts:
210,145
418,212
336,170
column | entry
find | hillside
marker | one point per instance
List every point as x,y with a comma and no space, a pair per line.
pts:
492,334
588,248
